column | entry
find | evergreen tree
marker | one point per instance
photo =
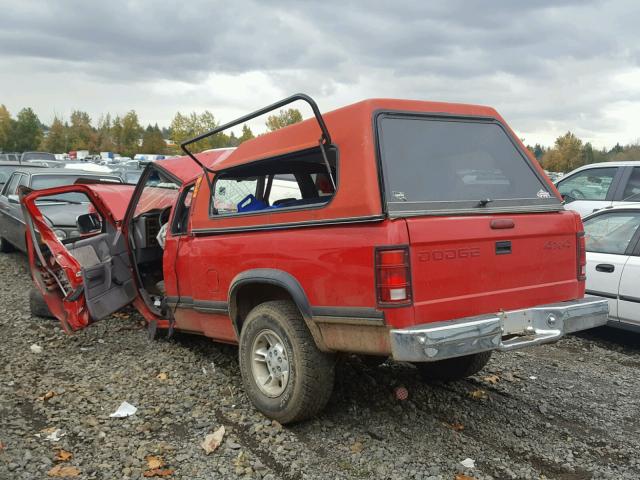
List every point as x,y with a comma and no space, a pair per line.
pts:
27,132
247,134
153,141
56,141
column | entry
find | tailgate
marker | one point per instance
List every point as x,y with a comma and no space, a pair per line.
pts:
471,265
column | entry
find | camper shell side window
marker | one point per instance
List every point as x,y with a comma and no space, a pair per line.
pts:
290,182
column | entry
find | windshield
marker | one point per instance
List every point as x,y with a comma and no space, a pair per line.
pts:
441,163
40,182
26,156
159,192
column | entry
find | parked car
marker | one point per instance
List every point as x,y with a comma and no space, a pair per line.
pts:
60,211
613,262
45,163
6,169
417,230
30,156
10,157
598,185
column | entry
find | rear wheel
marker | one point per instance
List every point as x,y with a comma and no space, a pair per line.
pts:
5,246
453,369
37,305
284,374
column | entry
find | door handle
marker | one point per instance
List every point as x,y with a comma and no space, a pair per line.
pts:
605,267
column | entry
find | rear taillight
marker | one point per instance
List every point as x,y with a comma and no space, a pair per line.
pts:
581,257
393,277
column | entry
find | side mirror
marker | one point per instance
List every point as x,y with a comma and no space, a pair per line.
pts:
89,223
14,199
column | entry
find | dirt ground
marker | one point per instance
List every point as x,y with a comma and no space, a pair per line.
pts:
565,411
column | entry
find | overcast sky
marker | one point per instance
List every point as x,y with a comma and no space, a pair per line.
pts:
546,66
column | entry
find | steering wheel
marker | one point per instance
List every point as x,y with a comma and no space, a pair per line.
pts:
165,214
577,194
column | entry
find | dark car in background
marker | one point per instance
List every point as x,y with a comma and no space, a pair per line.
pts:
6,169
60,211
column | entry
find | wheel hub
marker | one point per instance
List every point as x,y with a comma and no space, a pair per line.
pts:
270,365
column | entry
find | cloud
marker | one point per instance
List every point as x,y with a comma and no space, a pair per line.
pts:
547,66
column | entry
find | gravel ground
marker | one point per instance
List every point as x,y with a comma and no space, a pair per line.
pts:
567,411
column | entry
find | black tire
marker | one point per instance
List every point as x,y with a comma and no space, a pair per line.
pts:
5,247
37,305
372,361
310,372
453,368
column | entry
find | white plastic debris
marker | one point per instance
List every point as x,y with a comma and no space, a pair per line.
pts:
35,348
468,463
124,410
533,377
55,436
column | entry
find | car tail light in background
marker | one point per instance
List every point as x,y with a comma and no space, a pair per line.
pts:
393,277
581,257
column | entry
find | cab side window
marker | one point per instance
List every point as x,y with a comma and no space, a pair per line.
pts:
300,180
611,232
592,184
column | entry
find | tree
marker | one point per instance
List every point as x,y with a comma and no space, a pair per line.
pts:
130,134
27,133
81,133
56,141
566,154
6,129
104,135
153,141
588,155
116,134
283,118
185,127
247,134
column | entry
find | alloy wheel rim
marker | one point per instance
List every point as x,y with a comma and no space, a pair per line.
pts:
270,363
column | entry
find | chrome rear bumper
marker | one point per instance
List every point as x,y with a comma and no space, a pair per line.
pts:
502,331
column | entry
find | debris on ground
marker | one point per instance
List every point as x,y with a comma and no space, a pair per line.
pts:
63,456
35,348
468,463
124,410
213,440
64,471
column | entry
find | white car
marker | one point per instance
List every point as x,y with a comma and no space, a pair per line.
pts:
599,185
612,238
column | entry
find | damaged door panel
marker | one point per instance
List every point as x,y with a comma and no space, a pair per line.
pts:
86,279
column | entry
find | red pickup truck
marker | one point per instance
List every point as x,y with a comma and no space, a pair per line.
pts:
416,230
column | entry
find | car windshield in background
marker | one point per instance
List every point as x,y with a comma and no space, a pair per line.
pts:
40,182
448,164
28,156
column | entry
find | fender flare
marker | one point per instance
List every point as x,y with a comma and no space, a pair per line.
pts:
280,279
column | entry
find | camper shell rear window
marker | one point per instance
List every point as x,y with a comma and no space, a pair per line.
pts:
440,164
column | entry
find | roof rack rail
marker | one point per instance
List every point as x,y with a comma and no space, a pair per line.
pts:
324,139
